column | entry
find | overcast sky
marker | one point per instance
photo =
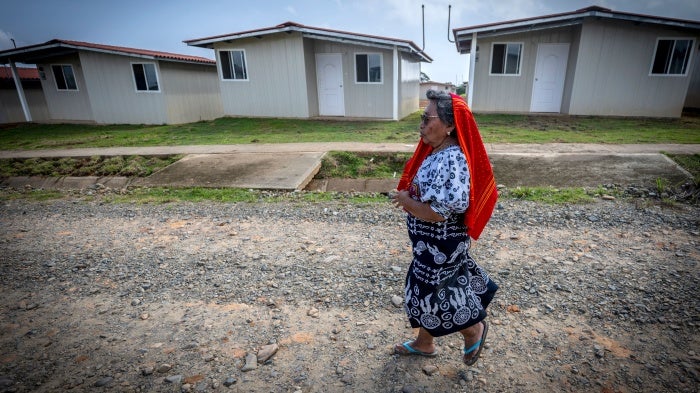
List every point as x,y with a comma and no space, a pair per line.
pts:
163,25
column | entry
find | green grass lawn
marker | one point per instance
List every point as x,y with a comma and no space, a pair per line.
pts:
494,129
228,130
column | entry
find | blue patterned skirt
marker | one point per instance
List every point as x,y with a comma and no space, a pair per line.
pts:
446,290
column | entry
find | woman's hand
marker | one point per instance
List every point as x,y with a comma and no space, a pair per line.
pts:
401,198
418,209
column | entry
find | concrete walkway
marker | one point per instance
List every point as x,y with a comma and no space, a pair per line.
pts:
292,166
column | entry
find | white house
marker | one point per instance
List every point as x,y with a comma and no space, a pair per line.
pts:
10,105
298,71
432,85
593,61
104,84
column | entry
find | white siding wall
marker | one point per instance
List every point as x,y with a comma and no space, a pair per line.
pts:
282,80
571,69
692,100
409,87
113,92
612,73
191,92
11,109
511,93
276,85
311,82
363,99
67,105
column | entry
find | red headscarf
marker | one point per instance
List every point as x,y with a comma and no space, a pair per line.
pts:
482,184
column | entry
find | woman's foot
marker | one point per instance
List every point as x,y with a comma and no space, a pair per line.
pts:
413,348
474,340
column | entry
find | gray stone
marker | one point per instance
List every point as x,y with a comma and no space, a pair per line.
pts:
266,352
104,381
251,362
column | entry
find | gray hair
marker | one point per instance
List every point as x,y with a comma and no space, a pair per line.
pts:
443,105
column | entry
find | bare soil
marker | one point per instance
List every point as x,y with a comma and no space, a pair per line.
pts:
167,298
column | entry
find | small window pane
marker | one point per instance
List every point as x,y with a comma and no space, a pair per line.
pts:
226,70
151,77
361,68
375,68
58,76
513,59
663,56
239,65
499,52
70,78
679,57
139,77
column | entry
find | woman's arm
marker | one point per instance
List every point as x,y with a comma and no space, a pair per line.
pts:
418,209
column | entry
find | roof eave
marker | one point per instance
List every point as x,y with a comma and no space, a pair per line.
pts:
26,53
383,44
486,33
139,55
314,34
463,36
210,41
556,20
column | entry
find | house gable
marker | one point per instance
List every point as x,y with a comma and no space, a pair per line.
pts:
281,66
608,69
276,83
107,83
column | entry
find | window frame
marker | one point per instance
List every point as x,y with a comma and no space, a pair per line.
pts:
63,77
381,68
505,59
687,60
231,62
155,71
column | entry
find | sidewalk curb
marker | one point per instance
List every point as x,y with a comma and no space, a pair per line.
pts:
65,182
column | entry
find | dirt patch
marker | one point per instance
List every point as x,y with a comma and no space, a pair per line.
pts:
179,297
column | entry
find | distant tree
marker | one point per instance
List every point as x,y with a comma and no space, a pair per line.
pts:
424,77
462,89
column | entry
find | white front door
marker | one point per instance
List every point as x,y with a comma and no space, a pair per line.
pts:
329,75
550,73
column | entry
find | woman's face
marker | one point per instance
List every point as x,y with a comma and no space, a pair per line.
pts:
432,130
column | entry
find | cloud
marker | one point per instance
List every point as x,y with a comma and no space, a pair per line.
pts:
5,40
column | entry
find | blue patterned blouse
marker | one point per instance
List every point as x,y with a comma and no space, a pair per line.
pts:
443,180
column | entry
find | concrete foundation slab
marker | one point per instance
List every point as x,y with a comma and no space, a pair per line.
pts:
277,171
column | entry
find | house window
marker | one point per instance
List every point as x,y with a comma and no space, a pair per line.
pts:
233,65
505,59
671,57
368,68
145,76
64,76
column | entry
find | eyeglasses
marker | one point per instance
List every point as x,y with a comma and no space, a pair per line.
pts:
424,118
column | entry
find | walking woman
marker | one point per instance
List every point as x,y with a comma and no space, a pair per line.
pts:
448,191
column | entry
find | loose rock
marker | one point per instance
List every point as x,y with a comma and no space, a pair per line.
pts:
583,304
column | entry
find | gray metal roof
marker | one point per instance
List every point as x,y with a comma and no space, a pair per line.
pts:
319,34
463,35
33,54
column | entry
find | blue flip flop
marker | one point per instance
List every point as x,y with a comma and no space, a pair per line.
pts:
478,346
406,349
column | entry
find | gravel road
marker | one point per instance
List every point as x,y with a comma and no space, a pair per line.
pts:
302,297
